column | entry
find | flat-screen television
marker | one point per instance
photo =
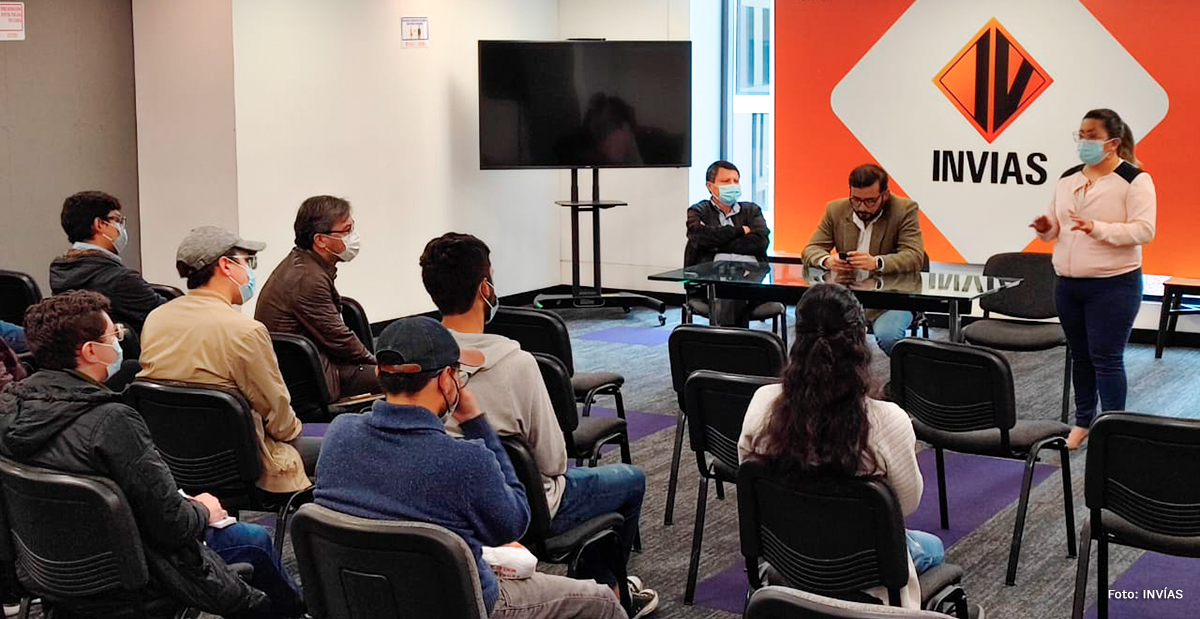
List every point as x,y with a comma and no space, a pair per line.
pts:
585,104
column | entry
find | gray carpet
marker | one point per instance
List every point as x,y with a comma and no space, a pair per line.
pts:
1046,577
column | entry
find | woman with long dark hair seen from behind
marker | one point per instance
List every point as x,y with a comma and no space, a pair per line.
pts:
1102,212
822,421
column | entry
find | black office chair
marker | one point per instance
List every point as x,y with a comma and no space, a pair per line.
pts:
716,407
1142,490
10,586
355,318
834,537
584,436
206,436
1032,300
166,291
301,368
775,602
76,543
721,349
961,398
600,534
357,567
538,330
774,311
17,292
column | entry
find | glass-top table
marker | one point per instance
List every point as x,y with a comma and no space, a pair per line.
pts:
942,289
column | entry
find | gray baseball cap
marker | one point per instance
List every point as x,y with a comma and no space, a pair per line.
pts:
202,246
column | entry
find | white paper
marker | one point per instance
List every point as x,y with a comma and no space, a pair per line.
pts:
12,21
414,31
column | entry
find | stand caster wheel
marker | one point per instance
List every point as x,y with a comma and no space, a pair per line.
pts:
662,319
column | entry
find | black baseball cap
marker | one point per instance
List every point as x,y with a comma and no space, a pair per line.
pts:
421,344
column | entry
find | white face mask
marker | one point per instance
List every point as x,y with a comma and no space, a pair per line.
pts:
352,244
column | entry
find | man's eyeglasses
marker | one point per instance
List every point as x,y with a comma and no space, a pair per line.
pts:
119,331
116,219
251,261
865,201
346,230
462,376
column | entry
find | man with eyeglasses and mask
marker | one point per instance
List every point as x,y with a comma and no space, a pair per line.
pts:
871,232
96,229
397,462
299,297
203,338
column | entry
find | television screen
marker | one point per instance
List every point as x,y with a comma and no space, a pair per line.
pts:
585,104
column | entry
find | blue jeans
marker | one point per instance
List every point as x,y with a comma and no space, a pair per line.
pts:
251,543
926,549
1097,317
14,336
593,491
891,327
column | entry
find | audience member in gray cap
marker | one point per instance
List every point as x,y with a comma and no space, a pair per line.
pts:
203,338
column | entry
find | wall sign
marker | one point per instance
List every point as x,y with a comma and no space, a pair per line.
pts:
12,21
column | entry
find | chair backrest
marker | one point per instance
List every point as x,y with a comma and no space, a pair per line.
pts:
17,292
722,349
1034,298
1138,468
301,368
824,535
536,330
166,291
954,387
775,602
355,318
73,536
716,406
356,568
522,460
562,396
205,435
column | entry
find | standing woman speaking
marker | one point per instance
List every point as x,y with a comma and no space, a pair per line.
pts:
1102,213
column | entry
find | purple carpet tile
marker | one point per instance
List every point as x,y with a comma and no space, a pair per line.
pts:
1156,585
641,336
314,429
978,487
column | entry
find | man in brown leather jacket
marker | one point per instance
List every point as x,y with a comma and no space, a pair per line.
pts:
299,296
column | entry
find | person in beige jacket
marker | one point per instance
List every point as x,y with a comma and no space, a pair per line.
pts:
871,232
203,338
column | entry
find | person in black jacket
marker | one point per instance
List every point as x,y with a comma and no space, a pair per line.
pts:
722,228
96,228
64,418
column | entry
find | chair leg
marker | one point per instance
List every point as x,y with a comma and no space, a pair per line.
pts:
23,610
1101,577
720,491
1164,319
587,404
943,506
673,480
1066,404
620,404
1068,501
625,456
783,332
689,593
1081,570
1014,551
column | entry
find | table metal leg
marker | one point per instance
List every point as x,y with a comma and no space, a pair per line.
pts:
955,323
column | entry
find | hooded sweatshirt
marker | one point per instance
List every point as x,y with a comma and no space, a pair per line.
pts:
509,389
89,269
62,420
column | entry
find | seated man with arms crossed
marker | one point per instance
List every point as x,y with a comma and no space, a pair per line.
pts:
871,232
64,418
397,463
203,338
723,229
457,272
299,296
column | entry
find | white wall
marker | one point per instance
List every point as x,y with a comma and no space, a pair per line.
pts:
329,101
187,160
647,236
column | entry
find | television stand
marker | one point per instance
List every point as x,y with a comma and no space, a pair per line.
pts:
594,296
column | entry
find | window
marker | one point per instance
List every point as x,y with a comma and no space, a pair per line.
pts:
749,122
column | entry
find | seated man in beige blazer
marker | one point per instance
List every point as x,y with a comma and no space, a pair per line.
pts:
871,232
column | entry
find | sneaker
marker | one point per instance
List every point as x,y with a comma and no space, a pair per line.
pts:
642,603
635,584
